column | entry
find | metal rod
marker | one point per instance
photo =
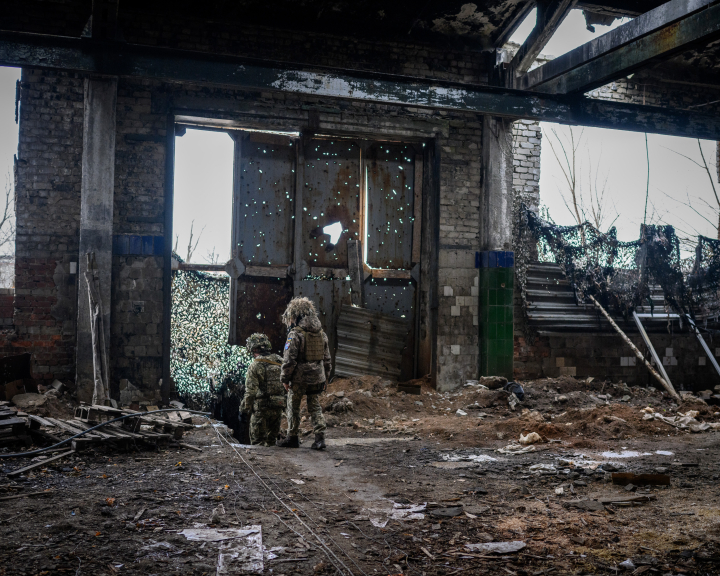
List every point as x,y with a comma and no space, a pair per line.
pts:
704,345
648,343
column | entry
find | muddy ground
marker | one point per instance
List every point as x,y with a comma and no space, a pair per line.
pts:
104,511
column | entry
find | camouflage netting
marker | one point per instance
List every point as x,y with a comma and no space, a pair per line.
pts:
621,275
201,360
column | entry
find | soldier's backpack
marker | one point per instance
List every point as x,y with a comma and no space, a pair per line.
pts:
314,348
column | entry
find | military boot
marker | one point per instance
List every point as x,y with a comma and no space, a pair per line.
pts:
289,442
319,443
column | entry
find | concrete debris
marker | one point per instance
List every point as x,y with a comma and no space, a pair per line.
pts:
28,401
530,438
459,412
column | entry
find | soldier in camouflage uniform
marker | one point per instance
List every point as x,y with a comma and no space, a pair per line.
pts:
264,394
305,369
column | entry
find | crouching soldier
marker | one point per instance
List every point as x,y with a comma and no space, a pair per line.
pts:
264,394
305,369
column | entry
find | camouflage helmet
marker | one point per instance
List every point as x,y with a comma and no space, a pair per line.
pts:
298,306
258,340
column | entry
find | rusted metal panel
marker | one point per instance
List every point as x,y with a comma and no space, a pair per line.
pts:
369,343
392,297
265,199
260,303
331,193
391,199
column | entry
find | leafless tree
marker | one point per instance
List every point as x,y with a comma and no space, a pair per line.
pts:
212,256
698,204
192,247
7,219
587,204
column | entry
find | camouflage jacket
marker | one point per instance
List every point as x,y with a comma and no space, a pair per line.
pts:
262,381
294,369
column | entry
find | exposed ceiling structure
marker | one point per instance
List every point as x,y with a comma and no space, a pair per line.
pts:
480,24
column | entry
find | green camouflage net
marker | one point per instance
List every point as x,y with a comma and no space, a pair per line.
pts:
202,363
621,275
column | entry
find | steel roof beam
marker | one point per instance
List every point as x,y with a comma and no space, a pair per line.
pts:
124,60
658,34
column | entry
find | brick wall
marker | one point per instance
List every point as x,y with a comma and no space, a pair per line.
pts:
48,173
49,204
7,305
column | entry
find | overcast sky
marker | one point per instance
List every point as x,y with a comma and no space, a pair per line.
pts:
203,169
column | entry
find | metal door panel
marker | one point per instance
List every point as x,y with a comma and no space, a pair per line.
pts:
331,193
265,200
390,190
260,304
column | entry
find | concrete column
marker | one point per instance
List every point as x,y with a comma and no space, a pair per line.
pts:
96,219
496,260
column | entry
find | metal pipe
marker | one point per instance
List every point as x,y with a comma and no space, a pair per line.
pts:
646,338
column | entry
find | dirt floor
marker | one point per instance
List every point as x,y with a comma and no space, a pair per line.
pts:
406,484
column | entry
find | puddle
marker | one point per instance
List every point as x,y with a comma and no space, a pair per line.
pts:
625,454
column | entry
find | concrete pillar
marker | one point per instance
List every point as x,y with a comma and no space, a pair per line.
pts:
96,219
496,260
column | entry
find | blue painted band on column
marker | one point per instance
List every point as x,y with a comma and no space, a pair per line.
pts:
495,259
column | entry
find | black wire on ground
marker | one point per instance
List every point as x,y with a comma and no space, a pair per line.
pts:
134,415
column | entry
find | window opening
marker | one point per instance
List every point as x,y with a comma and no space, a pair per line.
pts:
201,360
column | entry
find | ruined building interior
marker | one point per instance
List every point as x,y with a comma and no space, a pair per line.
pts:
507,396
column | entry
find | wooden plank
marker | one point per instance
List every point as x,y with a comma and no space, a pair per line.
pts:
397,274
16,496
41,421
417,209
628,47
202,267
625,478
40,464
72,429
8,422
267,271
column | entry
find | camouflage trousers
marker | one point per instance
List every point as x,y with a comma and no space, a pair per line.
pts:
295,396
265,426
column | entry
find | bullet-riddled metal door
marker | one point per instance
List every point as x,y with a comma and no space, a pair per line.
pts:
263,216
331,215
392,234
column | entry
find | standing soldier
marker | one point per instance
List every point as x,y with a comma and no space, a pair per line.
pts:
305,369
264,394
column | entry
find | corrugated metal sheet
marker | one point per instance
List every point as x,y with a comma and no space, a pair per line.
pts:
390,189
551,304
369,343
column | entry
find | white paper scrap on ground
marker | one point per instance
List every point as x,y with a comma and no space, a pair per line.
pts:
241,549
404,512
497,547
